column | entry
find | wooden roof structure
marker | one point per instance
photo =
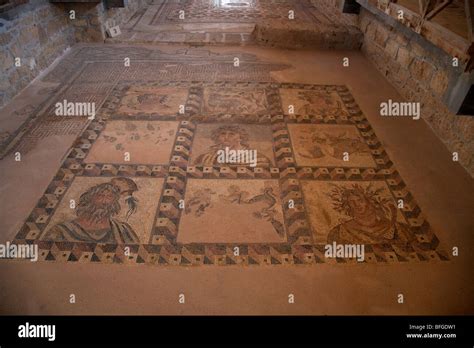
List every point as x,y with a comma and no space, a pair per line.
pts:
447,24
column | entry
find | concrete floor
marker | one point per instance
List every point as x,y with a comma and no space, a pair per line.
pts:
441,188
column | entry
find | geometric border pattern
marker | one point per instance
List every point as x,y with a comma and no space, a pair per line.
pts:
163,248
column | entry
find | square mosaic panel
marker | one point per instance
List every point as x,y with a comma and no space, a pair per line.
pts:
312,102
325,145
153,101
209,139
354,212
142,142
106,210
234,101
173,204
232,211
365,213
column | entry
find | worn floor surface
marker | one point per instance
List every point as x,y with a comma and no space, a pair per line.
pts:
137,206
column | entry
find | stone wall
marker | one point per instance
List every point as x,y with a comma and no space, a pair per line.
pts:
37,33
92,20
423,73
120,16
333,8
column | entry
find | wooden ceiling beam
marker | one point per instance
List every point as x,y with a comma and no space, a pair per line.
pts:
421,4
438,8
470,19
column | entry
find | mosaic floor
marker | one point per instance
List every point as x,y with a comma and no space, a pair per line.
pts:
143,182
230,22
136,207
228,11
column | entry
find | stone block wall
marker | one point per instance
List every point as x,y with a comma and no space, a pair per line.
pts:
37,33
92,20
120,16
423,73
86,22
332,8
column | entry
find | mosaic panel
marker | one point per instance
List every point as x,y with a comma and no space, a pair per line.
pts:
232,211
124,142
161,101
308,102
212,138
231,101
175,205
115,210
329,146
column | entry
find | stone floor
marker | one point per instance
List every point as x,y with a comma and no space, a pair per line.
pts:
134,207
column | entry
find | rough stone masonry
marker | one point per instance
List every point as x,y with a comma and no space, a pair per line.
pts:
39,31
421,72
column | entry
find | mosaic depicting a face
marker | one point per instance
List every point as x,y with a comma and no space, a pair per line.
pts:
104,197
358,204
229,138
98,202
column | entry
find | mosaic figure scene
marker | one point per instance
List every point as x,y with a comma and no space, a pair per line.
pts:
240,153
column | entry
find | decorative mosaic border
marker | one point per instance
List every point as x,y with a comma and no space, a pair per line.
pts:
162,247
